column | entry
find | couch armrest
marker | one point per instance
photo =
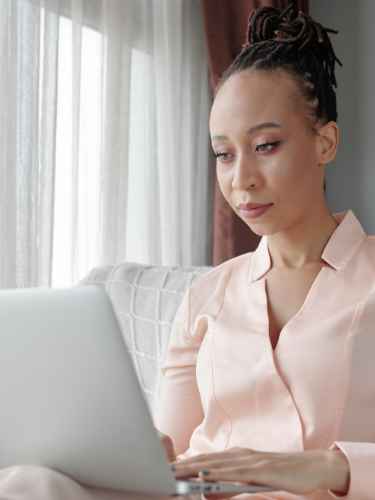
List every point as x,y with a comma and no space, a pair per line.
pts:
97,275
145,299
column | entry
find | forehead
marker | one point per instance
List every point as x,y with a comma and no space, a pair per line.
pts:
251,97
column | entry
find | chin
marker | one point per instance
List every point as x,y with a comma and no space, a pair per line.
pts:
261,229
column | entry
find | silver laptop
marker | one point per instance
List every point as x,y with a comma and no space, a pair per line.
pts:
71,400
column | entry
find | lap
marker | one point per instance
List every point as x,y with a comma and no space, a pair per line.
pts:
29,482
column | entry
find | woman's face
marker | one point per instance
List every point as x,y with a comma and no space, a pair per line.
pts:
266,151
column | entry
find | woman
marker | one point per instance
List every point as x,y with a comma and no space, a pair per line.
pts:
269,361
267,377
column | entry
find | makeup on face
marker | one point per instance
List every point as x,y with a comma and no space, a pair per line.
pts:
254,213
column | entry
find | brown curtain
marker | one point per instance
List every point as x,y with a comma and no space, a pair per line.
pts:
225,23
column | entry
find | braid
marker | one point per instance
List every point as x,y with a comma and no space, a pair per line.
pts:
292,40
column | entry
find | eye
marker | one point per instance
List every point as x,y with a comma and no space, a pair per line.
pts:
221,156
267,147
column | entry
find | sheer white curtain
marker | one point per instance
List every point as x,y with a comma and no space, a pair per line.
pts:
103,137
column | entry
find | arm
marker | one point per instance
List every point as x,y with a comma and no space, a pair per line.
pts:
179,409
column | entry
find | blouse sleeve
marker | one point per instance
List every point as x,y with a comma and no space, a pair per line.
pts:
361,457
179,409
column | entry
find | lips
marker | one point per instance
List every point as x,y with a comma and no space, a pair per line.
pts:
250,206
254,213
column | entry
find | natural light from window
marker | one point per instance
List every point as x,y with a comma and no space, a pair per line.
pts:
77,177
68,186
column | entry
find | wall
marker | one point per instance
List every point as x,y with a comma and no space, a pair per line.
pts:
351,178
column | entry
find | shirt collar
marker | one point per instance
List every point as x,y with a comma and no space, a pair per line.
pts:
342,244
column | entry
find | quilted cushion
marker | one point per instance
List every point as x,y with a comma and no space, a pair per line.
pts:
145,299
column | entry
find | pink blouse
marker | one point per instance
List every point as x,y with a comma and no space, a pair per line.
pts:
223,385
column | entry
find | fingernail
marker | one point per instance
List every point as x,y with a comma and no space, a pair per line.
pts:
204,472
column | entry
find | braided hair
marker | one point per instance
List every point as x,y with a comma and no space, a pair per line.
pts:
291,40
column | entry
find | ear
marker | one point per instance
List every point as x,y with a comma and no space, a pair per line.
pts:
327,142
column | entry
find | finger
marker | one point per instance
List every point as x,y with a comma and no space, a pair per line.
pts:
194,468
186,472
207,457
169,449
198,458
238,474
217,496
198,464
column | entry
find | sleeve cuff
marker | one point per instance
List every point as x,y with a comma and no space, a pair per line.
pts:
361,458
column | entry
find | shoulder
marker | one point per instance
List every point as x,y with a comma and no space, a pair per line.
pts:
208,290
367,253
370,241
222,273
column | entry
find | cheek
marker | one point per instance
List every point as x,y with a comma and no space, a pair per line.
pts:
288,178
224,180
291,173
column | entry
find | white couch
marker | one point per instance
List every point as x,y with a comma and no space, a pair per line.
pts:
145,300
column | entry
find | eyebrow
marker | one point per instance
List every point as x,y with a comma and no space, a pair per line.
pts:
250,131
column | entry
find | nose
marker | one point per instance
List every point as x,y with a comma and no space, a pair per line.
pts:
245,174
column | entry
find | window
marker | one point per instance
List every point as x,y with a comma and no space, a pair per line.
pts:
86,184
79,183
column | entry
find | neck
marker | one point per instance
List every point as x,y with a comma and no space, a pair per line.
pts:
303,243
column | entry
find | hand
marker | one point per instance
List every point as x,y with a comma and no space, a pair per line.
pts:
298,472
167,443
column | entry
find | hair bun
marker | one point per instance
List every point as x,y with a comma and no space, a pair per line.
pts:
290,26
